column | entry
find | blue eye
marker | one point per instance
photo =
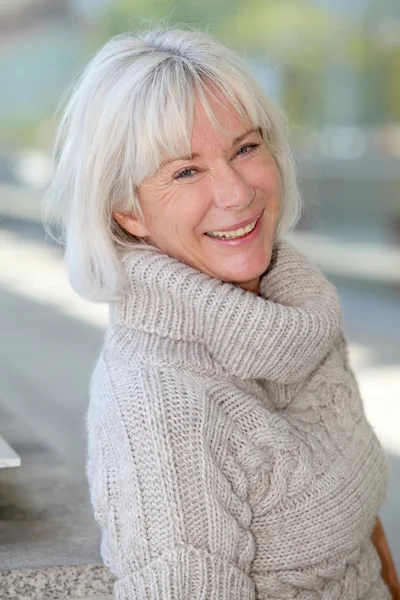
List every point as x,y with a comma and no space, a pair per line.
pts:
185,174
247,148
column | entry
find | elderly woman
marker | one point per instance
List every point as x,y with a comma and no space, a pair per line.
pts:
229,457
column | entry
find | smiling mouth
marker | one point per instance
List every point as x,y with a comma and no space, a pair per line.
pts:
229,235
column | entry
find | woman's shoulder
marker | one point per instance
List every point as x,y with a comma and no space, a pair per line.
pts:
142,347
118,384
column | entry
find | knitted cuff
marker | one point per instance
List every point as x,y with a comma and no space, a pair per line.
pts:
186,573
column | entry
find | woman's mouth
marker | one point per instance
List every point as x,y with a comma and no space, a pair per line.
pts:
243,233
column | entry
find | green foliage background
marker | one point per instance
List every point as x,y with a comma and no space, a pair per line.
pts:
300,36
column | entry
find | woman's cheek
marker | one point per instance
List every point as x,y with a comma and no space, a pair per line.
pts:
197,202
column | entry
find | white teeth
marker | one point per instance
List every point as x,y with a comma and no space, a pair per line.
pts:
233,234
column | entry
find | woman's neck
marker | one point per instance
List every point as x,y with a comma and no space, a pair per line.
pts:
251,286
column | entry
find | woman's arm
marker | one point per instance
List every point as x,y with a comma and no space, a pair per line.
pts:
388,568
173,526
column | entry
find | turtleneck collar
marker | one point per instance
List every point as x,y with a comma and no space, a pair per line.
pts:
280,335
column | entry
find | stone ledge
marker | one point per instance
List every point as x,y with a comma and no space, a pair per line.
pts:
56,583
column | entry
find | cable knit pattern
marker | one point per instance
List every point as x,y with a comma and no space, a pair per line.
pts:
229,457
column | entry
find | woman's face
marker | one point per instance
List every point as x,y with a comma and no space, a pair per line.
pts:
229,185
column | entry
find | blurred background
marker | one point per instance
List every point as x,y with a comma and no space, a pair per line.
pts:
335,68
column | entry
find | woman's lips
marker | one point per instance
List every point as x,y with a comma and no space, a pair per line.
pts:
239,225
244,239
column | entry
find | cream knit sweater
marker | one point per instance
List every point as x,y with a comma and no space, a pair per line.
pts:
229,457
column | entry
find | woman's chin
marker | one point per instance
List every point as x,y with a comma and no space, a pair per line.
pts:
242,272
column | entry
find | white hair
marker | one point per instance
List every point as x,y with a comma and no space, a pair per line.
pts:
131,108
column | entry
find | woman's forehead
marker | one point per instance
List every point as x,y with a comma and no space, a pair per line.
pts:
228,126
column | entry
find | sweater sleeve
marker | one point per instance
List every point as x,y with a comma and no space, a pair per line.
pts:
167,493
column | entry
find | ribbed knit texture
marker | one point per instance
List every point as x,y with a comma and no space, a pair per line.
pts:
229,457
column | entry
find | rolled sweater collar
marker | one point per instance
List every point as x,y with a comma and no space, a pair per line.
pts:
280,335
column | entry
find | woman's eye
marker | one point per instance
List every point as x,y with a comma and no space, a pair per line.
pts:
185,174
247,149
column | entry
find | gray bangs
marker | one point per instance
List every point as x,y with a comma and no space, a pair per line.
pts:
163,118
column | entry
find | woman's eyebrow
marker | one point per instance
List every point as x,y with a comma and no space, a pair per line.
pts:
186,157
237,140
241,137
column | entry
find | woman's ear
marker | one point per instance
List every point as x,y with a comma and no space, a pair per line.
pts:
132,224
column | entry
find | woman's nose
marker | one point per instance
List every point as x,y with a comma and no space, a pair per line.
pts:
230,189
